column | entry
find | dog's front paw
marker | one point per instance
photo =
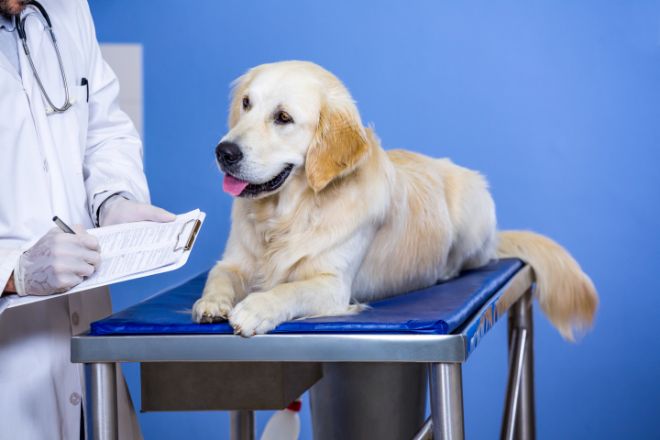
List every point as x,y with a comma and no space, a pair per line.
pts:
210,309
257,314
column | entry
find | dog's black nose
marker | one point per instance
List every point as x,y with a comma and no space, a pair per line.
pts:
228,153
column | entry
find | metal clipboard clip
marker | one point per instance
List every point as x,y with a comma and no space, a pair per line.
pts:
191,238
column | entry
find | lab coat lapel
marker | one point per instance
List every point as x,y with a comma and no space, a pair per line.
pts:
35,30
47,69
43,56
35,36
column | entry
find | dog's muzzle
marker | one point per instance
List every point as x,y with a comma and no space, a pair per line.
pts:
228,155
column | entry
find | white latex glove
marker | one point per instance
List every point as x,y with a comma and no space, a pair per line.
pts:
118,210
57,262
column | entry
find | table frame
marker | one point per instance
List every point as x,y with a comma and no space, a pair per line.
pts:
444,355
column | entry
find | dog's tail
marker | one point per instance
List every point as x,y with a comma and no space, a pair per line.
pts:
566,294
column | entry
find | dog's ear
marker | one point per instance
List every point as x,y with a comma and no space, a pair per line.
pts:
339,145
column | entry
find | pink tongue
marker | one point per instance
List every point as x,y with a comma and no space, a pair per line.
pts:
233,186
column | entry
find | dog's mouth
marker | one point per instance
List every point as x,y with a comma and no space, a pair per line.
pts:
241,188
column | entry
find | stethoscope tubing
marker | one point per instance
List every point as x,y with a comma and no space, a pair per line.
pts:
20,28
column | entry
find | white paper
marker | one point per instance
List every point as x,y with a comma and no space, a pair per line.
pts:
130,251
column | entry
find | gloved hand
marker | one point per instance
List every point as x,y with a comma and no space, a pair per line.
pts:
57,262
119,209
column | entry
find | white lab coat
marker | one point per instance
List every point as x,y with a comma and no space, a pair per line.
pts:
57,164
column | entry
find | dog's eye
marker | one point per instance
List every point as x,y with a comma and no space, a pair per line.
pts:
283,117
246,103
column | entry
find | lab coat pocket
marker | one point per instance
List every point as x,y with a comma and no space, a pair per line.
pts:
81,110
69,130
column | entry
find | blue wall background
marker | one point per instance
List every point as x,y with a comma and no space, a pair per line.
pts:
556,102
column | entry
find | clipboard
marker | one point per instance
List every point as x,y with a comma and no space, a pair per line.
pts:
192,236
165,247
173,242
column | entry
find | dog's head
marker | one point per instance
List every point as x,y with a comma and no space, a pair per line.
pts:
286,116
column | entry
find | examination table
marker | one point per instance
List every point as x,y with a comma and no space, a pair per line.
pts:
437,327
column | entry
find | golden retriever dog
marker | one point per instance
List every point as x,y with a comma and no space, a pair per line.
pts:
325,219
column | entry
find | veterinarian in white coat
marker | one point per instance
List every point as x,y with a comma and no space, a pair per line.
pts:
83,165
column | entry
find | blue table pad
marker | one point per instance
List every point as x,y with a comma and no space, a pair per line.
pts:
438,309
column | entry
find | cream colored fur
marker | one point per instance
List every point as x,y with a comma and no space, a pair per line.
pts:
565,293
354,223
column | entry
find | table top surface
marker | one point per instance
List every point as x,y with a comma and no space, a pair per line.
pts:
442,323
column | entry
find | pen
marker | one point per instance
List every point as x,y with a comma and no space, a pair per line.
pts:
84,82
63,226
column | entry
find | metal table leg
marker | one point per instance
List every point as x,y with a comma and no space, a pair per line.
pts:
104,401
519,419
425,432
241,425
516,361
446,400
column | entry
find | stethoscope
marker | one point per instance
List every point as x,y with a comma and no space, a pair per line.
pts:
20,28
